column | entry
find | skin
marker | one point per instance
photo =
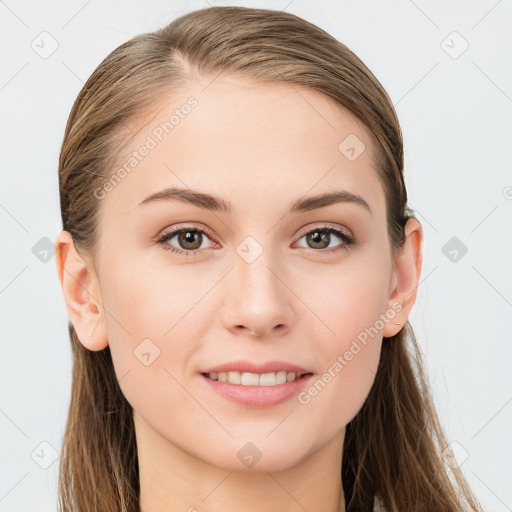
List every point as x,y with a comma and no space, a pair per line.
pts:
260,147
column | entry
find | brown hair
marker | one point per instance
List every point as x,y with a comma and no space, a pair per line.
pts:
393,446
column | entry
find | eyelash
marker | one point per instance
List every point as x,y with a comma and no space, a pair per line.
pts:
348,240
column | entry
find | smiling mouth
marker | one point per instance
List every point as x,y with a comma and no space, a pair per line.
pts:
256,379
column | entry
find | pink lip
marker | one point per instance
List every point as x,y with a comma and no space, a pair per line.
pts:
258,397
250,367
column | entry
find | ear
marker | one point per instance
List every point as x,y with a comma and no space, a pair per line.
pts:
81,290
405,278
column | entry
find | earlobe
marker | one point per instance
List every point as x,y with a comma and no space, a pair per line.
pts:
81,291
404,284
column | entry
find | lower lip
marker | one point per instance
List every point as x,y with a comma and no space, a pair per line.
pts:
258,396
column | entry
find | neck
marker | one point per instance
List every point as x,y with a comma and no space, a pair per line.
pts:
173,480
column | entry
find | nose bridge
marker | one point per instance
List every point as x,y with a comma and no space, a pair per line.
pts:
258,299
255,269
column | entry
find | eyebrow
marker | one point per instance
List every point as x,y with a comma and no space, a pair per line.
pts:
213,203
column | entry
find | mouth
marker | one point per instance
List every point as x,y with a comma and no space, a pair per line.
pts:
259,386
256,379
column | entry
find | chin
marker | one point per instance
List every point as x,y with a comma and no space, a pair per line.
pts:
259,455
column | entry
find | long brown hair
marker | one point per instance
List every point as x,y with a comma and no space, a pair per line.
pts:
393,447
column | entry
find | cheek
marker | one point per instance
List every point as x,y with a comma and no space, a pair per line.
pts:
351,305
335,397
153,300
349,298
153,329
350,358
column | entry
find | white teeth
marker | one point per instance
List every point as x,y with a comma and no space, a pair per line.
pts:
254,379
248,379
281,377
234,377
268,379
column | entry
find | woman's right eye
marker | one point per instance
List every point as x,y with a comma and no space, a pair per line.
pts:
190,240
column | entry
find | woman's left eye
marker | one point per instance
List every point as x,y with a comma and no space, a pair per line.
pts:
191,239
321,239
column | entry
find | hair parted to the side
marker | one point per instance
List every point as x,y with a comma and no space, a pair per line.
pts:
393,447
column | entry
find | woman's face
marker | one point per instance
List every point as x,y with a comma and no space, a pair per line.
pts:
264,289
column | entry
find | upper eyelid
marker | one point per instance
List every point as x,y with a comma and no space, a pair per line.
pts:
343,230
175,230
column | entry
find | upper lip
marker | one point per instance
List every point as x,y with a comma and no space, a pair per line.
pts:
251,367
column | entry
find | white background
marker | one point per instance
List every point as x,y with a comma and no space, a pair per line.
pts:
456,119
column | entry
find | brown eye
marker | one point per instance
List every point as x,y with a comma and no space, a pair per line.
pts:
321,238
318,239
190,240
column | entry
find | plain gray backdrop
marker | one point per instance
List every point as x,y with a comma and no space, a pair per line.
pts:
447,69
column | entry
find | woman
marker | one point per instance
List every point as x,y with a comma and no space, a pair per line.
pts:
238,263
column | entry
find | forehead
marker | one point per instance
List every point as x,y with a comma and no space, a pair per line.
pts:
233,137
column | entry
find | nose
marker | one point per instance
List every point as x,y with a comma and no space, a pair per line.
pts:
258,299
